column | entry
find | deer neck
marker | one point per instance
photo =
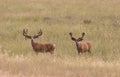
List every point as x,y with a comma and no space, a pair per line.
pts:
77,45
32,43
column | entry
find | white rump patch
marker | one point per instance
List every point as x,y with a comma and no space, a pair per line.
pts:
54,45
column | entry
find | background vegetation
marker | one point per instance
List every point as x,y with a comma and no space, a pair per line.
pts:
57,19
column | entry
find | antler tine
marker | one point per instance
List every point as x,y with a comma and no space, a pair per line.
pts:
25,31
38,34
81,38
70,34
83,34
74,39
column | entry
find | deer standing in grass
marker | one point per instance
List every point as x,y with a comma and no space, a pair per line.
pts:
82,46
38,47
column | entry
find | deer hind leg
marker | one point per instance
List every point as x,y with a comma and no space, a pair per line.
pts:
89,51
52,52
37,52
79,52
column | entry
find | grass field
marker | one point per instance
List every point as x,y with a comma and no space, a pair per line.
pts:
57,19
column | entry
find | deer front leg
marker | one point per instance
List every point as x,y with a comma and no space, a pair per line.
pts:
79,51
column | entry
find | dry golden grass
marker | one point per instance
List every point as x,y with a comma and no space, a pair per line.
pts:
44,65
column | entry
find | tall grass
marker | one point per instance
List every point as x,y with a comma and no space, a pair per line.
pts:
57,19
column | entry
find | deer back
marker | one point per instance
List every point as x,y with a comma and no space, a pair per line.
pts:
39,47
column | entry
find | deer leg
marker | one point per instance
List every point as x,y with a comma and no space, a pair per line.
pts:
89,51
79,52
37,53
52,52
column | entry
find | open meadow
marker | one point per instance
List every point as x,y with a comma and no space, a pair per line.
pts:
99,19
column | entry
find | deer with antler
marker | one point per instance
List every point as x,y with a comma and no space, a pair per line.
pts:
82,46
38,47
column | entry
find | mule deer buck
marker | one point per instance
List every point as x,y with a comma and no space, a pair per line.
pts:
38,47
82,46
